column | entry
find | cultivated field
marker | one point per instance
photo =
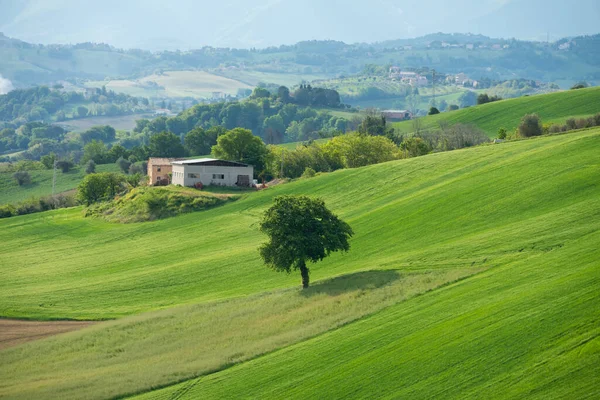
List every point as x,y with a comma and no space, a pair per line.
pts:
553,107
472,273
199,84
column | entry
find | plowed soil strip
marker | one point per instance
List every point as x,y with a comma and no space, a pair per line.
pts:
14,332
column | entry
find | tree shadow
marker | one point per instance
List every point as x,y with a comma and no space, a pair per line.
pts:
348,283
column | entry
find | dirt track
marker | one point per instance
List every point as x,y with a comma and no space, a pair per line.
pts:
14,332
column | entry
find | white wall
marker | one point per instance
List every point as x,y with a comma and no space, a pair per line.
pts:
205,174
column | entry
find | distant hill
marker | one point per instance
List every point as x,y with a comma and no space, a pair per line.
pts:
24,64
553,107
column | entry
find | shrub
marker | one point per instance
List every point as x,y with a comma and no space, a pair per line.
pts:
554,128
308,172
597,119
123,164
64,166
90,167
452,107
22,178
502,133
7,211
135,169
531,125
414,147
571,124
433,111
97,187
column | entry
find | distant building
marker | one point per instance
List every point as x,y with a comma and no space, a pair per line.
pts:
210,171
470,46
396,115
218,95
164,112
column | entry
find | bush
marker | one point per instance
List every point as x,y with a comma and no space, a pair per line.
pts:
35,205
98,187
433,111
22,178
414,147
64,166
135,169
123,164
596,119
502,133
452,107
531,125
90,167
554,128
308,172
571,124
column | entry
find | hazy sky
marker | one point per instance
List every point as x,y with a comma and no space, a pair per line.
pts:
160,24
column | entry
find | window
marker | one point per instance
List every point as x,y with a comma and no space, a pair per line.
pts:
157,169
218,176
193,176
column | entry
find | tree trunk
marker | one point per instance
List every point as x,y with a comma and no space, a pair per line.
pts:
304,273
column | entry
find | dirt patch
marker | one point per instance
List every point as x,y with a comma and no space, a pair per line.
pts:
14,332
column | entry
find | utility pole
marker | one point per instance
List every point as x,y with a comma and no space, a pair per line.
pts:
433,81
54,177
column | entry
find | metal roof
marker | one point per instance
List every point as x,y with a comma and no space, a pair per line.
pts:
210,161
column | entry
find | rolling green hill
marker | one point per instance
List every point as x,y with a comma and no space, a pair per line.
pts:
553,107
41,183
473,273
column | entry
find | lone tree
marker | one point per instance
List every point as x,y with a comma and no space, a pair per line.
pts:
301,229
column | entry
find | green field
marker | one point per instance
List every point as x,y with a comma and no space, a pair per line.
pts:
199,84
41,183
553,107
472,274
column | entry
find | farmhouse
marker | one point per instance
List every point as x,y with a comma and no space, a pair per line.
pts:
159,170
209,171
396,115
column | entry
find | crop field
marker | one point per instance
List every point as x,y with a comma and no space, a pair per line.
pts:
199,84
41,183
553,107
253,78
472,273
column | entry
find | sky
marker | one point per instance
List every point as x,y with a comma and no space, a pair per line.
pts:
185,24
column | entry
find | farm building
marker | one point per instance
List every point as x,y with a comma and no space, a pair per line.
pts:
396,115
159,170
209,171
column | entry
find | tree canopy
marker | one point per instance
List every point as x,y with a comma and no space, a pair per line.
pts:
301,230
241,145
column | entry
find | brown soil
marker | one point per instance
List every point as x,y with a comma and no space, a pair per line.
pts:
14,332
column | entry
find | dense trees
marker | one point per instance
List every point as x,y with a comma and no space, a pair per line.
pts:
277,118
165,144
44,104
241,145
301,230
484,98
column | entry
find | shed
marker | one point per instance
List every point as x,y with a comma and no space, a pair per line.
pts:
210,171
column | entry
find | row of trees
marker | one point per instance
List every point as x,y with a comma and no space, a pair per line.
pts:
44,104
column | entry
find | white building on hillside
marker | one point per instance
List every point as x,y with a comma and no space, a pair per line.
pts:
210,171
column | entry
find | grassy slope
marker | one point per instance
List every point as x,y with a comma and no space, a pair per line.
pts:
527,327
528,211
553,107
41,183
